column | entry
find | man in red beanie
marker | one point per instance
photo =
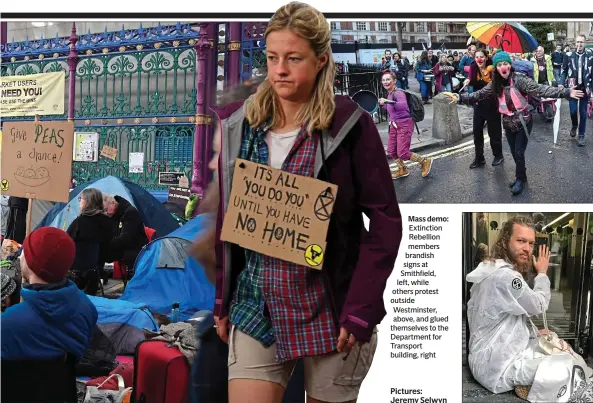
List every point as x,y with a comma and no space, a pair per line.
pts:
55,317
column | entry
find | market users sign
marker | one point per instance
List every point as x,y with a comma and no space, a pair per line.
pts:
35,94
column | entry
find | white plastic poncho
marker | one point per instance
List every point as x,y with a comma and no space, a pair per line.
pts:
503,349
498,309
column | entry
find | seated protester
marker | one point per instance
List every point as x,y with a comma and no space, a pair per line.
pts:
54,317
130,236
8,288
92,226
11,285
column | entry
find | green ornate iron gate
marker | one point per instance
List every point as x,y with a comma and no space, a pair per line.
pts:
136,88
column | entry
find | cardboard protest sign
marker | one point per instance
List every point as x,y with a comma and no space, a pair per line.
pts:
171,178
179,195
109,152
30,95
37,160
279,214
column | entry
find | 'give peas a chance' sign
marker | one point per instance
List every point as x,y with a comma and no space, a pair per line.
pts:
37,159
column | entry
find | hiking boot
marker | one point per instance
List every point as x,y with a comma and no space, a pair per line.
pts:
402,170
522,391
573,131
425,166
581,142
517,187
497,161
477,162
400,173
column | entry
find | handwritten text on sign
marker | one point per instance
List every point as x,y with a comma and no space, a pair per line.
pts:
279,214
37,159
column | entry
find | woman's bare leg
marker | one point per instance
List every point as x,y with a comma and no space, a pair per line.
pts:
255,391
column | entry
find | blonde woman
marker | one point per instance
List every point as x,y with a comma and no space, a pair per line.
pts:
272,312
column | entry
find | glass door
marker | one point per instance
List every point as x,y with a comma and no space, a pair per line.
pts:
569,236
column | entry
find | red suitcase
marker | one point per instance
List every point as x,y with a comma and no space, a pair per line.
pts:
161,374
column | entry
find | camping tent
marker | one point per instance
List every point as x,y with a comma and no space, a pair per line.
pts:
165,274
122,322
154,214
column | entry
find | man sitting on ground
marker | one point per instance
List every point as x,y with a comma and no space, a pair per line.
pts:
54,317
130,235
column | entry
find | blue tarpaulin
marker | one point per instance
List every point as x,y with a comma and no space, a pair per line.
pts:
122,322
165,274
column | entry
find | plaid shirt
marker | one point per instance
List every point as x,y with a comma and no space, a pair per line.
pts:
298,317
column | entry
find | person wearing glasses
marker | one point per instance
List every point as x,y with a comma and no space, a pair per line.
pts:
577,73
92,226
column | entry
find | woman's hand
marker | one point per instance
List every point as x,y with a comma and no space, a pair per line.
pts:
222,328
454,97
345,341
382,101
574,93
466,82
542,262
544,332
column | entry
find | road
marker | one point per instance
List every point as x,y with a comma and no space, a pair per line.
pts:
557,174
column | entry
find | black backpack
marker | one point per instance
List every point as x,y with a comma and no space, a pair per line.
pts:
415,107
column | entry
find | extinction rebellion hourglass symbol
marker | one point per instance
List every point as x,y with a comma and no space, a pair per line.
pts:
323,204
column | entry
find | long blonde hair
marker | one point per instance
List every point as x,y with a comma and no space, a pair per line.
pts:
310,24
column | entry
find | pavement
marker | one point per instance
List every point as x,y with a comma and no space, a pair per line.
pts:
113,288
472,391
424,140
557,173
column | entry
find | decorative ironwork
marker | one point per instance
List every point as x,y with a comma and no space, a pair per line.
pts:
165,149
253,49
141,36
56,46
123,78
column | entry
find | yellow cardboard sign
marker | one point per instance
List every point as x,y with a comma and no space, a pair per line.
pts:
279,214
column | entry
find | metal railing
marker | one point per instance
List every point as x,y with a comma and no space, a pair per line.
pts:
352,78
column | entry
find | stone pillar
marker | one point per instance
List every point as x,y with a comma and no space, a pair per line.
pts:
233,70
445,120
72,62
202,48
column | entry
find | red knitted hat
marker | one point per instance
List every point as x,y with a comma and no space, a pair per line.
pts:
49,253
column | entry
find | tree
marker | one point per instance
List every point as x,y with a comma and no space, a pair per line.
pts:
560,27
540,30
399,29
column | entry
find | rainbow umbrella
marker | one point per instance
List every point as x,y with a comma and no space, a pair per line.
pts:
509,36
